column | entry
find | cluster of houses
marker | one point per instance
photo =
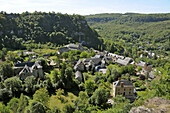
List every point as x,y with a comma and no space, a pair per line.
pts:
25,69
149,55
98,63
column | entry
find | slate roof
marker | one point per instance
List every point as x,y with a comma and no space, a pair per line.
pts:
93,59
141,64
77,64
124,62
29,64
26,69
72,46
125,83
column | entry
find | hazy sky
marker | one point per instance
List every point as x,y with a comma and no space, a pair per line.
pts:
85,7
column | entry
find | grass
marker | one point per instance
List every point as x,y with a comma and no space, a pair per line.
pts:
60,101
44,51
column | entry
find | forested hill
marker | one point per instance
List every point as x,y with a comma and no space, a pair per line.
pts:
38,27
150,31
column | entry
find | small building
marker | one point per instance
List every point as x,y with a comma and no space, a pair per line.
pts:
145,67
125,61
103,70
124,88
27,69
69,47
79,66
74,47
26,53
95,60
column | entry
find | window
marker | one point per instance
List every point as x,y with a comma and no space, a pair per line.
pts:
129,89
118,89
118,93
124,89
129,93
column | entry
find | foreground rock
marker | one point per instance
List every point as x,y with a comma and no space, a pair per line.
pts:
154,105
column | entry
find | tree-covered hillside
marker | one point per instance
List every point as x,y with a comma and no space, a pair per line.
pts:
59,29
148,31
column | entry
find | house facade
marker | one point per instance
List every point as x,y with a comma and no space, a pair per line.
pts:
124,88
27,69
69,47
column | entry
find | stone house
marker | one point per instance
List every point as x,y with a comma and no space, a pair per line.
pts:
125,61
146,68
69,47
27,69
79,66
124,88
75,47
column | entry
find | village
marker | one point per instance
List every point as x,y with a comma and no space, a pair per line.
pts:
97,64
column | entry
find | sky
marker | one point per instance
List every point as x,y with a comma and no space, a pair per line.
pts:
86,7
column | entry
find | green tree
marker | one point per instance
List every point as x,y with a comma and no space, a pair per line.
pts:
4,109
81,103
54,110
30,81
37,107
6,70
68,108
13,104
99,97
4,50
139,68
13,84
42,96
120,105
89,87
5,95
55,76
43,62
65,55
23,102
131,69
2,55
83,55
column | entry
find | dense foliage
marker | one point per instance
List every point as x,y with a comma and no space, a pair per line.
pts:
19,30
58,91
147,31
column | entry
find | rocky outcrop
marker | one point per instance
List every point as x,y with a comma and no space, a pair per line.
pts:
154,105
143,109
157,102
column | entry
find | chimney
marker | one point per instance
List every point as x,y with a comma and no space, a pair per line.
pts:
145,66
121,84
